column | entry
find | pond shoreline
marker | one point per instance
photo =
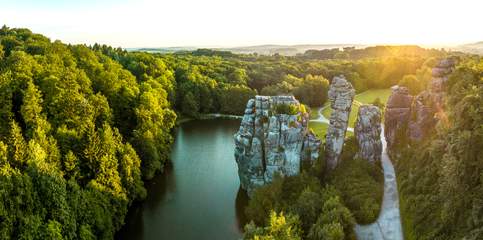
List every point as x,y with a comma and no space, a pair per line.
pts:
209,116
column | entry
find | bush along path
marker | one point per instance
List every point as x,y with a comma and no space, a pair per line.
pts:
388,225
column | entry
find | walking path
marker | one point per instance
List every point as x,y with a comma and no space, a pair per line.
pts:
388,225
323,119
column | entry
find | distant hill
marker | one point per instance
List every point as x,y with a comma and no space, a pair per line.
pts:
287,50
292,50
475,48
162,50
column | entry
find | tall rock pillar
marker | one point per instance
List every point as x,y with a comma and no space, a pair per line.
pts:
396,116
341,95
368,133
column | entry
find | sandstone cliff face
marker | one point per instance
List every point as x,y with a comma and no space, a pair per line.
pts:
368,133
440,75
428,103
418,114
269,142
341,95
422,120
396,117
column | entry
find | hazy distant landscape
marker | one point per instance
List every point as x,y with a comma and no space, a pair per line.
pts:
292,50
476,48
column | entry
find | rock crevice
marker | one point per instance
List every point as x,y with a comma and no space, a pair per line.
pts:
368,133
415,117
273,138
341,94
396,117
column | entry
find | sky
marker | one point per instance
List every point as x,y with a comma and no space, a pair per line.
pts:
230,23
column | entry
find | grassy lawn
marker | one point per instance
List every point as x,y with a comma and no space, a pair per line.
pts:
321,128
364,98
370,95
314,112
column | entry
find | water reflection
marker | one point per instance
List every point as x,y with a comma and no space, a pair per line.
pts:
241,202
198,196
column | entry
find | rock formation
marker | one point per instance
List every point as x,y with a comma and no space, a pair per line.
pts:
368,133
341,95
421,114
396,117
273,138
438,82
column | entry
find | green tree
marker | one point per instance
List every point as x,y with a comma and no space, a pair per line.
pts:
312,91
6,96
308,207
18,146
2,52
279,227
335,221
85,233
151,137
233,99
37,125
441,177
412,83
190,105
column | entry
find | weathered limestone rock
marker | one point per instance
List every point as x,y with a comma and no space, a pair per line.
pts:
341,95
269,142
397,113
368,133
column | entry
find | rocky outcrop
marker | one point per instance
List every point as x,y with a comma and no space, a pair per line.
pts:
368,133
397,113
341,95
440,75
427,104
422,116
419,114
273,138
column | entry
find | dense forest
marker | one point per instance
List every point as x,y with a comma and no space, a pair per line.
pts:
81,128
441,179
79,133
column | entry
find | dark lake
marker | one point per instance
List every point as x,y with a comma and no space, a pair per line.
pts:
198,195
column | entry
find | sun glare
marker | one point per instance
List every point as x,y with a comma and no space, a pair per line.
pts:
150,23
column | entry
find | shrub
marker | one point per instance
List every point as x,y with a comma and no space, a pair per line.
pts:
304,197
289,109
362,186
377,102
280,227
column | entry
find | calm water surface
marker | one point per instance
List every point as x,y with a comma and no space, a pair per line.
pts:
198,196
